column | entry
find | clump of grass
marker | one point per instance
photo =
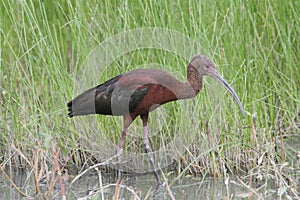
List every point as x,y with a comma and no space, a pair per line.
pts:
254,44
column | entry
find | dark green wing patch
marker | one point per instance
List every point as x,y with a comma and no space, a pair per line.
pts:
137,97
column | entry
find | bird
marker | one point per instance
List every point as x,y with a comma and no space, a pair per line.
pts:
138,92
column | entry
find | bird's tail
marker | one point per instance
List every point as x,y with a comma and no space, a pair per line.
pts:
84,104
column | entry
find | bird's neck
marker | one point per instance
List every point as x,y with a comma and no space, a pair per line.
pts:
193,85
194,81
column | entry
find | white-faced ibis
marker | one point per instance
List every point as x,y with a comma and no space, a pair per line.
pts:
138,92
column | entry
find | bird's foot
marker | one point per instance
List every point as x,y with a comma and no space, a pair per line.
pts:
159,186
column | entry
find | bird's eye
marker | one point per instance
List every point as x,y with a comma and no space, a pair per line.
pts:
207,66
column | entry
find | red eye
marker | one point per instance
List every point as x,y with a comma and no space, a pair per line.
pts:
207,66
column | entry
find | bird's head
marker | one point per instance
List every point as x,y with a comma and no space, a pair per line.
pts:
205,67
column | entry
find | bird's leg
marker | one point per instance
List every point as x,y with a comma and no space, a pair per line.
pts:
148,149
121,143
119,151
127,121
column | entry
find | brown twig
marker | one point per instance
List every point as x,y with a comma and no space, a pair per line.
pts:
56,164
12,183
117,191
167,185
35,171
52,183
148,195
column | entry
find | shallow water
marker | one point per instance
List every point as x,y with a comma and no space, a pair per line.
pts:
187,188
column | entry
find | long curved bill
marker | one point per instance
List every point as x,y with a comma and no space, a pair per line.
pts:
217,76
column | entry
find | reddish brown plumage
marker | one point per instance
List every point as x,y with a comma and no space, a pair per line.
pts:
138,92
161,88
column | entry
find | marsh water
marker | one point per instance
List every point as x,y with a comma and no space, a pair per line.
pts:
188,188
87,186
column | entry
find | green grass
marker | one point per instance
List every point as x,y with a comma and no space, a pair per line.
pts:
255,45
